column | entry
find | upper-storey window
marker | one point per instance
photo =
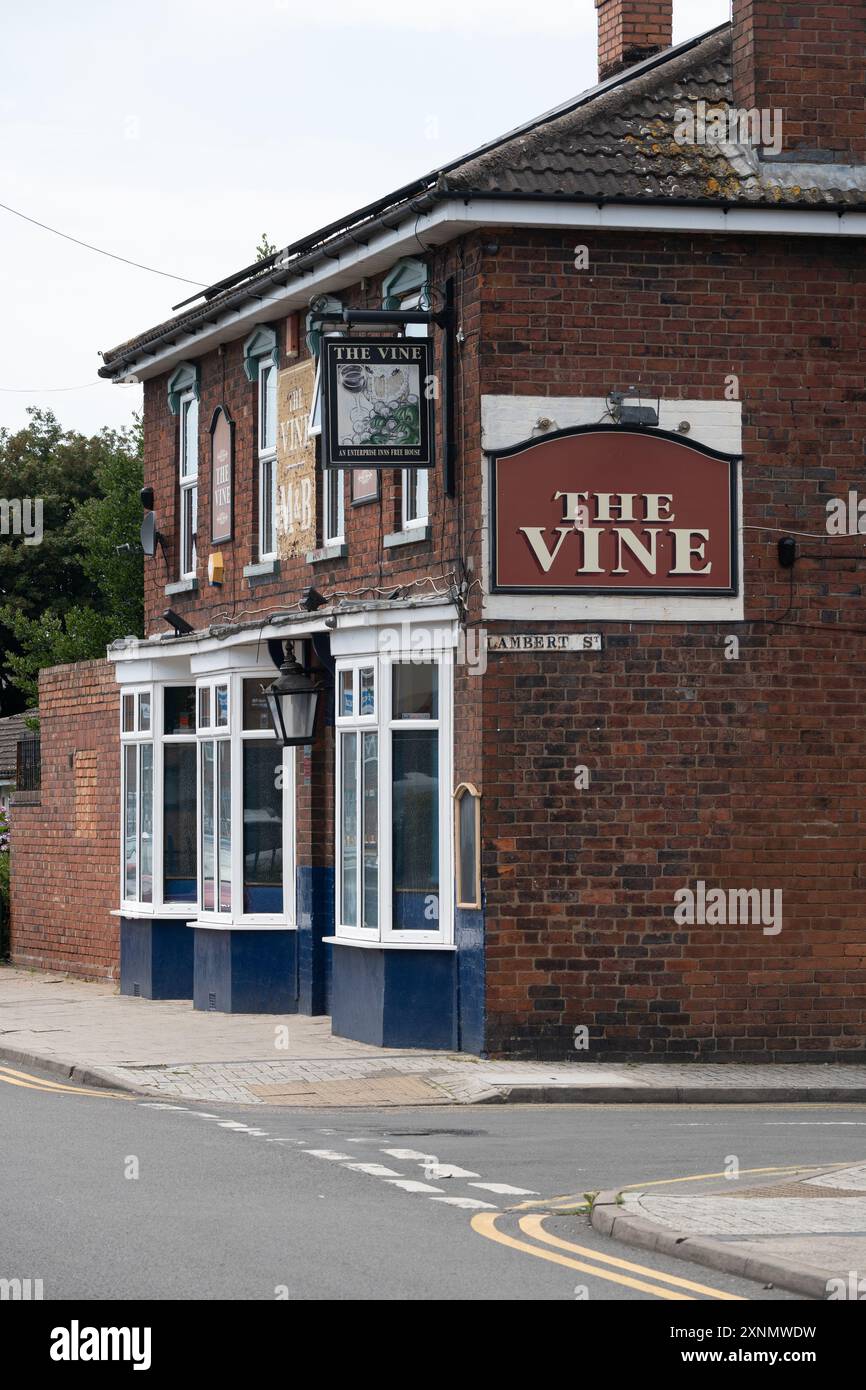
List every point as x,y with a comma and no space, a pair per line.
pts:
183,398
261,364
188,482
267,460
406,287
333,479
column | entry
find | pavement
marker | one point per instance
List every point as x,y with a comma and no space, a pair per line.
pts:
85,1031
804,1231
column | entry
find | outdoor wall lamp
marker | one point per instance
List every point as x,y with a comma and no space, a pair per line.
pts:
292,702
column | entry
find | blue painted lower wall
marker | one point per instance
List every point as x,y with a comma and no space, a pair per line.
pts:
156,958
395,998
246,972
471,1019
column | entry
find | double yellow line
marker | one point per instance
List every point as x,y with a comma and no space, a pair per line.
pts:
37,1083
607,1267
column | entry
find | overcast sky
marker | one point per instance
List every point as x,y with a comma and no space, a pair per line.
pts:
175,132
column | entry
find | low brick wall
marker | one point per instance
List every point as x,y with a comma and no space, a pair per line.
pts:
66,839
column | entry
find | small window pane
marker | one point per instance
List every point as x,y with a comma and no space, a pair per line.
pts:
347,700
263,828
128,714
415,829
179,709
370,786
144,712
208,863
189,439
225,825
267,543
222,706
255,711
204,707
416,691
367,692
349,829
146,822
178,822
268,390
130,804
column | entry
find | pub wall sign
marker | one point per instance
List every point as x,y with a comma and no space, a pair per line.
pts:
602,509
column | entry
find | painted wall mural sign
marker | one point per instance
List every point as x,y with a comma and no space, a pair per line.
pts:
296,462
222,461
602,509
378,403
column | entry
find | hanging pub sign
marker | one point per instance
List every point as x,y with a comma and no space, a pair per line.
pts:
222,457
378,403
603,509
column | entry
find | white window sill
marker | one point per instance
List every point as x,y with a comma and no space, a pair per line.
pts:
410,536
145,914
379,945
182,586
241,926
334,550
262,571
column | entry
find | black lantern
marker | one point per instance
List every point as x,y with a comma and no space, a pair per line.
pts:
292,701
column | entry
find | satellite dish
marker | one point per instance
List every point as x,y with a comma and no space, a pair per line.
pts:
148,534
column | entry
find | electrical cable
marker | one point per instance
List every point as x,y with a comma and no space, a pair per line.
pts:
88,247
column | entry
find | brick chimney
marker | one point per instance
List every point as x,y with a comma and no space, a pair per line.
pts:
629,30
807,60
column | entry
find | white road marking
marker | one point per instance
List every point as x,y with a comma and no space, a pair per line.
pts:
468,1203
329,1154
409,1186
162,1105
448,1170
505,1188
258,1133
376,1170
231,1124
405,1154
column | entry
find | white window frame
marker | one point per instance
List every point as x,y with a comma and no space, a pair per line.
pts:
138,737
236,736
161,906
419,518
385,934
188,482
333,479
267,463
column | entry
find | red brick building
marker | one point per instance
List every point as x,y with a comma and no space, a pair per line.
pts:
617,636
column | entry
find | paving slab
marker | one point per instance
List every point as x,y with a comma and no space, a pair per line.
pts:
86,1030
806,1234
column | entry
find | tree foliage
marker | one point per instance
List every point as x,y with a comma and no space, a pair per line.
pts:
65,598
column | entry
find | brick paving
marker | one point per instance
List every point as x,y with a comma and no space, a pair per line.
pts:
815,1225
170,1051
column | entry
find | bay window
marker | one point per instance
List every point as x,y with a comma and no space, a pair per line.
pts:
393,831
246,801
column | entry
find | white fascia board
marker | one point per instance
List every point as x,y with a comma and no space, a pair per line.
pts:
131,660
459,216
